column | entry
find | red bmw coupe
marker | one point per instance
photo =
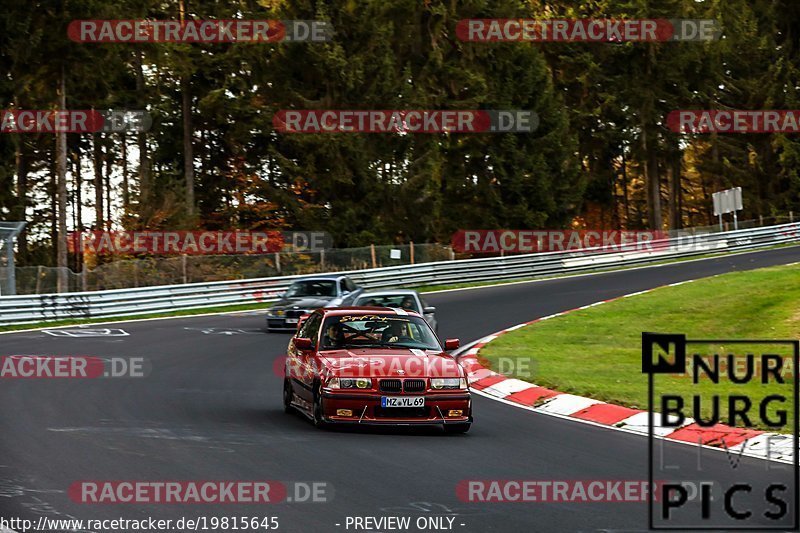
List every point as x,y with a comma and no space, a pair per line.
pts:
375,365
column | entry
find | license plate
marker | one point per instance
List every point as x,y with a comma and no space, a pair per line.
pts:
402,401
292,320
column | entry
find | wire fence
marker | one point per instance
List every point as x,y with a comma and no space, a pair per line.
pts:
154,271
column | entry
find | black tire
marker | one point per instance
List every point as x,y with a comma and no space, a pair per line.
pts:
456,428
319,422
287,396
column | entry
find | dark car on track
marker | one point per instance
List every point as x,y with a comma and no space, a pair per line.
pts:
307,294
375,366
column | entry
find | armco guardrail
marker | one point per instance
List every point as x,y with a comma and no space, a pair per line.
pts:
128,302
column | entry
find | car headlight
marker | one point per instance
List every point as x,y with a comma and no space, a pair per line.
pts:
448,383
350,383
277,312
356,383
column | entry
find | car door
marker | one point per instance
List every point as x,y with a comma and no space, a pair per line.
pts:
307,364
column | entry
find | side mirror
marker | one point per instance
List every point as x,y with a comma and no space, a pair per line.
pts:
303,343
451,344
429,310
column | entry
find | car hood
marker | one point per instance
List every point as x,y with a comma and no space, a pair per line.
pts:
402,363
308,302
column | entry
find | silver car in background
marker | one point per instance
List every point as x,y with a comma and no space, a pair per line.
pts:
407,299
306,294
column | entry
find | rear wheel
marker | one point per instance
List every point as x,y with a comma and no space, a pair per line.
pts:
318,419
457,428
288,394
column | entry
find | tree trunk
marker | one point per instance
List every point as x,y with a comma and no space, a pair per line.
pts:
649,141
715,179
188,152
654,182
52,191
76,160
651,180
126,192
675,217
20,213
109,161
78,188
97,160
61,165
625,200
141,139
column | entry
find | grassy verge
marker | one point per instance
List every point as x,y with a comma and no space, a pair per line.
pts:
190,312
596,352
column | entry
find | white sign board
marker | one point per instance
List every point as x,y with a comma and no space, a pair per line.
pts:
727,201
394,253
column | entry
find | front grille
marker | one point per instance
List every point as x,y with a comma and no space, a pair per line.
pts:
402,412
295,313
391,385
414,385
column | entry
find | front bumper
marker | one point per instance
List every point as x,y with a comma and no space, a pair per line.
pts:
279,322
366,409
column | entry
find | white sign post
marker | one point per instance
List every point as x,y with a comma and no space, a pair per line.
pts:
728,201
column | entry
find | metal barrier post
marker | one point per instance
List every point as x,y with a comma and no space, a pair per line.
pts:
9,230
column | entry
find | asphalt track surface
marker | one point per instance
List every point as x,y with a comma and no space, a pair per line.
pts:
211,409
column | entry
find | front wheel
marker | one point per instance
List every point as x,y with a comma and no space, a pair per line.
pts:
318,419
457,428
288,394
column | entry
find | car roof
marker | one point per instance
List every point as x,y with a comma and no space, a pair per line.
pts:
404,292
342,311
321,277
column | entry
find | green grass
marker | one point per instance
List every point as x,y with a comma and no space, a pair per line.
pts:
188,312
596,352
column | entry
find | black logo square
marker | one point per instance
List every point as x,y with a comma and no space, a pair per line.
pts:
663,353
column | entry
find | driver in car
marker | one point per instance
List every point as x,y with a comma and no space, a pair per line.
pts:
393,333
332,338
408,304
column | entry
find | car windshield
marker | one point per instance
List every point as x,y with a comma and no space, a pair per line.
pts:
377,331
403,301
312,287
